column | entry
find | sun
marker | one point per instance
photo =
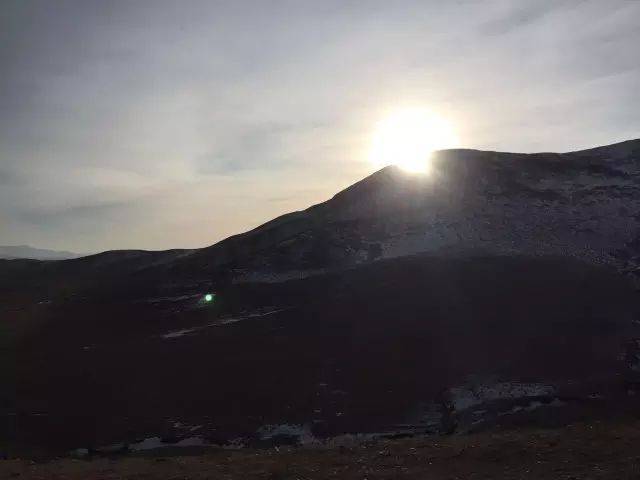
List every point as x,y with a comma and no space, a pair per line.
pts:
407,137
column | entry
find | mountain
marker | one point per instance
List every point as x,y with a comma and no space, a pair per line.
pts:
499,290
24,251
583,204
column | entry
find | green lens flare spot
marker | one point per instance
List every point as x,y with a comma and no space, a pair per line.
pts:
209,297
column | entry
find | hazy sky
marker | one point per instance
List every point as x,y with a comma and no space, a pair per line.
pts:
158,124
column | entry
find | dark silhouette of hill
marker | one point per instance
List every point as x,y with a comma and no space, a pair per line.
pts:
499,290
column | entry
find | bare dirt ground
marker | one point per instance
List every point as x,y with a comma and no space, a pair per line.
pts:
581,451
363,350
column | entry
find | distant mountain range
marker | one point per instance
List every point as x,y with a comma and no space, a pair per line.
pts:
25,251
583,204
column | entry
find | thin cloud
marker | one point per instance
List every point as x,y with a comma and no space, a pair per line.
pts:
177,124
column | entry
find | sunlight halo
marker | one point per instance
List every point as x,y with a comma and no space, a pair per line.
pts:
407,137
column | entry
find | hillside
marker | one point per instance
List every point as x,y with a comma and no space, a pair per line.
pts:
583,204
500,289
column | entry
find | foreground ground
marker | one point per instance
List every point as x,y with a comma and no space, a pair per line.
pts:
363,350
580,451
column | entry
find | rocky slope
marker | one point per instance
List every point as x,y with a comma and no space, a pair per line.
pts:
583,204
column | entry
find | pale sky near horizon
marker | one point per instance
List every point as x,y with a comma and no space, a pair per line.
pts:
174,124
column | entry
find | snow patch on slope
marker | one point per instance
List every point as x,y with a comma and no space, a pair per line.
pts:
467,396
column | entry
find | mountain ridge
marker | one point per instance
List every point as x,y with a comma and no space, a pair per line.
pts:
472,200
463,183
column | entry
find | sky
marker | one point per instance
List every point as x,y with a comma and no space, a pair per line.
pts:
174,124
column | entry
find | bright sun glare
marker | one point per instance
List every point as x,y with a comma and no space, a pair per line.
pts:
408,137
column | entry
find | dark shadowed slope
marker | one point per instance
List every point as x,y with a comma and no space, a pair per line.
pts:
415,344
